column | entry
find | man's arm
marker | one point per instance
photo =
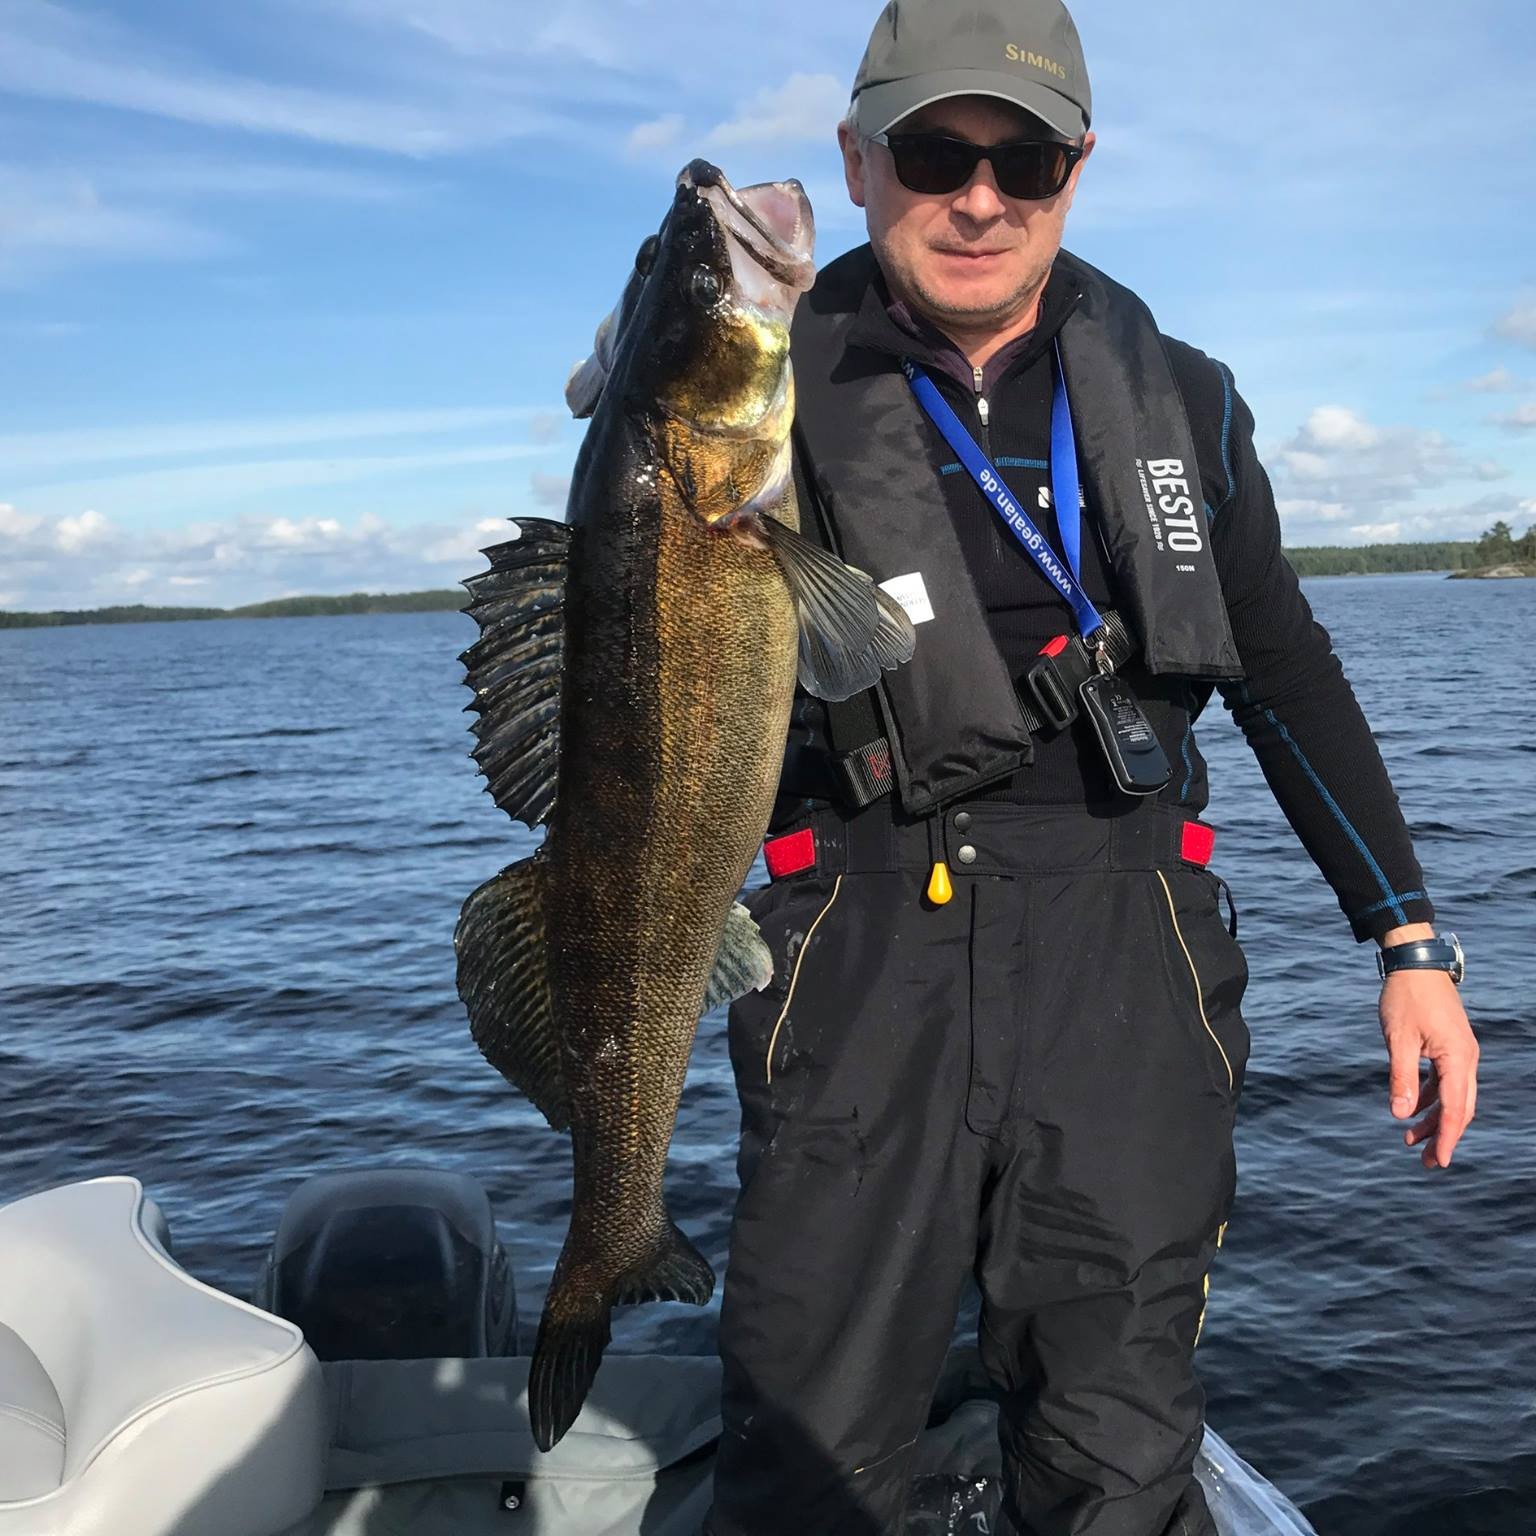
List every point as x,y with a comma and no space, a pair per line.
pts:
1300,716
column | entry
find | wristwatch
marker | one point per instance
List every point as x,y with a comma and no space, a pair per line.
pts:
1438,954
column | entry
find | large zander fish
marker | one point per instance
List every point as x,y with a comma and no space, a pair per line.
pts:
633,678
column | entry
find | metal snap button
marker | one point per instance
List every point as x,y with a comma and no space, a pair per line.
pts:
966,854
962,821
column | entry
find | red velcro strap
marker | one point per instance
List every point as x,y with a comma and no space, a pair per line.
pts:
1198,842
789,855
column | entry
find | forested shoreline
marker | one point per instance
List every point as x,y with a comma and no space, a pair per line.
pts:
279,608
1497,547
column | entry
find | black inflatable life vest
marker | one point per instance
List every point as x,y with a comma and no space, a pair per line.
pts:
865,454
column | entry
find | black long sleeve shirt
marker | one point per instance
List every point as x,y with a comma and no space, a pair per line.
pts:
1294,705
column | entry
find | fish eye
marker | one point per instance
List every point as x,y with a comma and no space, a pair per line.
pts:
645,257
704,287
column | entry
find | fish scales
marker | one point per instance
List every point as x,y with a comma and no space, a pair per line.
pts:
679,679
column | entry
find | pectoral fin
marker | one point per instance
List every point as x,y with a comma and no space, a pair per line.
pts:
850,631
515,666
744,963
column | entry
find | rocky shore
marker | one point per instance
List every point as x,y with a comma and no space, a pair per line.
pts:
1495,572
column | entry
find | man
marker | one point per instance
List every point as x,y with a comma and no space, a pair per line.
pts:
1004,1037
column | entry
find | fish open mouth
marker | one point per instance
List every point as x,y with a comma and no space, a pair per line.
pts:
771,225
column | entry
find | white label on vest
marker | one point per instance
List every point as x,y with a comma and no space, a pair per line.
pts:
910,592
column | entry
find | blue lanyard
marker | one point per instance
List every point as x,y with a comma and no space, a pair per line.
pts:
1064,487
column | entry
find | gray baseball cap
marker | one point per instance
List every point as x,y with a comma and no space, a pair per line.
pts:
1023,51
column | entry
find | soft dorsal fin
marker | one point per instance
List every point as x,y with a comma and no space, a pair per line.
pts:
515,666
850,631
503,978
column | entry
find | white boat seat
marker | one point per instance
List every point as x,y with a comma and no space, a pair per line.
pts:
134,1399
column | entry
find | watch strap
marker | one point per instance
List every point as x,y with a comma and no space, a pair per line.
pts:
1438,954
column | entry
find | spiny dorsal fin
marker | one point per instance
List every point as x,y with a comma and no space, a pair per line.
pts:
504,981
514,667
850,631
744,963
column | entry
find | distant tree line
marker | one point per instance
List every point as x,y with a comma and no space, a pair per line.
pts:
1384,559
281,608
1498,546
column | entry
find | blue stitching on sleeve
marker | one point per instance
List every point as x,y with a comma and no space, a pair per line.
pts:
1392,901
950,469
1226,439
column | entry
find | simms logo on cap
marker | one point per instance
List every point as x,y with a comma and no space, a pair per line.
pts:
1017,55
923,51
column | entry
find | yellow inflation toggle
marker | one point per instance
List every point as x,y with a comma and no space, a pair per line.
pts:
939,888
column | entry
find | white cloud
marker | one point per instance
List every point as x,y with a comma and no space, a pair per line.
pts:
307,533
461,548
804,107
1519,324
221,484
77,533
1335,426
28,453
1345,479
1521,419
42,330
550,491
17,525
547,426
1305,523
48,221
651,137
119,206
84,561
1338,457
56,54
1499,381
247,177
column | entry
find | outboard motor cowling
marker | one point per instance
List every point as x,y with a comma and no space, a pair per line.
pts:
392,1264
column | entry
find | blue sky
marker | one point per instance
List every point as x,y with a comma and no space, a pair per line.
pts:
289,289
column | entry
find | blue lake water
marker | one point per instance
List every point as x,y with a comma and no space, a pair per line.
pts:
232,858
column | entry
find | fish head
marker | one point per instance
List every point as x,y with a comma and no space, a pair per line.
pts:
698,346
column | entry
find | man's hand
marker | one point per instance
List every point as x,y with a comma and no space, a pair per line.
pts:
1422,1019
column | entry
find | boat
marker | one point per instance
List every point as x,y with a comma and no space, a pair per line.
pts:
372,1387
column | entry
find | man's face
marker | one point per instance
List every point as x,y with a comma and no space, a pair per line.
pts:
973,258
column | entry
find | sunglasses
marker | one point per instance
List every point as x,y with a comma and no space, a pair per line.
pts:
934,162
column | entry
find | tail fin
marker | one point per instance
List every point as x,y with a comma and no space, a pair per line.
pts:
565,1363
576,1327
